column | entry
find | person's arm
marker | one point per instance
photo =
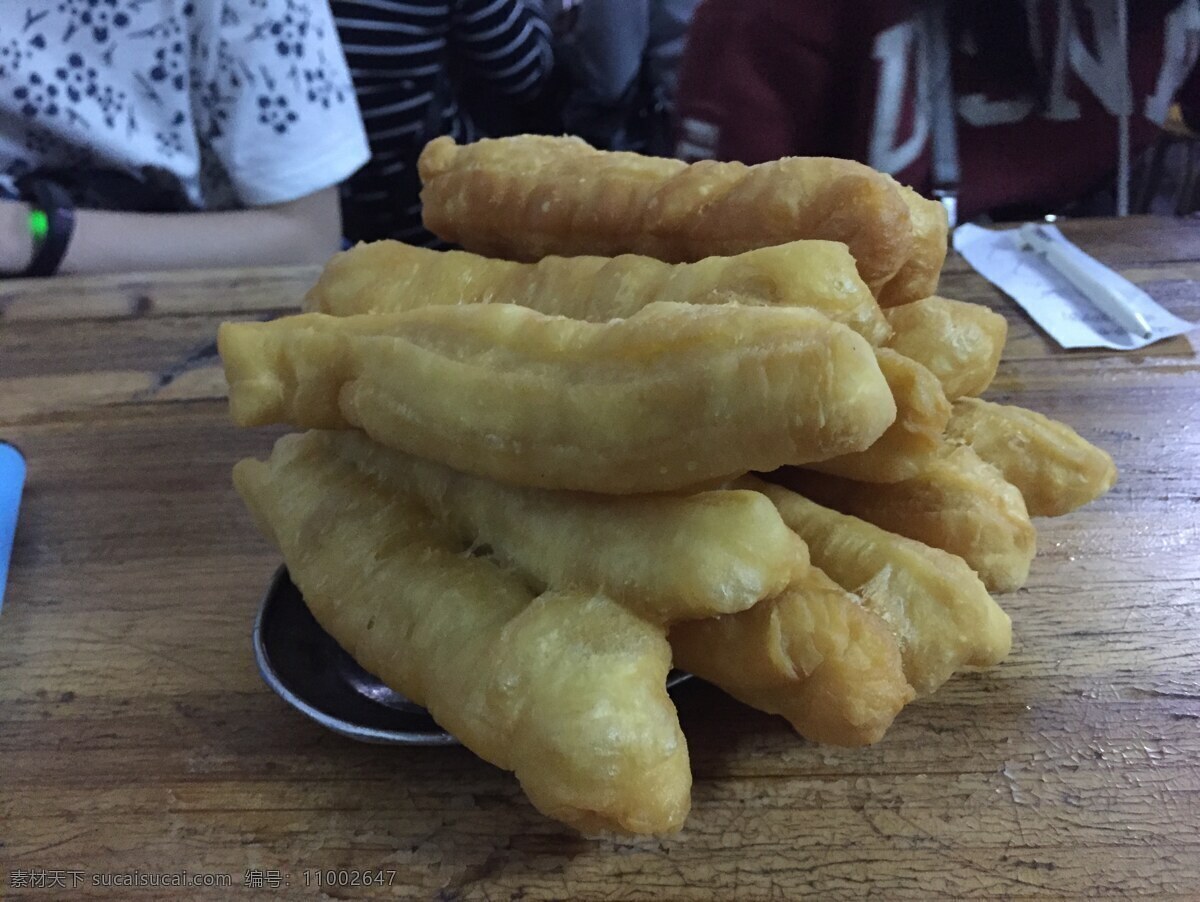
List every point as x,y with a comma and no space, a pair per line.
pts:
505,44
306,230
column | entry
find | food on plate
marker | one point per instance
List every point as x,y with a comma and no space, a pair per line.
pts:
960,343
667,557
957,503
918,277
907,446
527,486
391,277
675,395
1055,469
565,688
527,197
939,611
812,653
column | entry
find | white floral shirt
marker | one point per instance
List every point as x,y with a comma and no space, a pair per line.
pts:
209,104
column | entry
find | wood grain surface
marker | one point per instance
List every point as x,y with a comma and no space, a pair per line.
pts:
136,735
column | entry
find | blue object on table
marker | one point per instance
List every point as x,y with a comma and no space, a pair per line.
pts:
12,478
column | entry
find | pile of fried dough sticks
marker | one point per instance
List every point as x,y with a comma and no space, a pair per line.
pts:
527,489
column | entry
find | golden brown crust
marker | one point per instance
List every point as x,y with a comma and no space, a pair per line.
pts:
666,399
939,611
812,654
957,503
391,277
909,445
666,557
960,343
527,197
918,277
566,689
1055,469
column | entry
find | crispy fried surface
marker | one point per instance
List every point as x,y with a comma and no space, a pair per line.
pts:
918,277
665,557
938,609
566,689
957,503
391,277
668,398
812,653
907,446
532,468
527,197
1055,469
960,343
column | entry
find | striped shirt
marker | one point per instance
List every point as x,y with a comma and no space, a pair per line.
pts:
400,56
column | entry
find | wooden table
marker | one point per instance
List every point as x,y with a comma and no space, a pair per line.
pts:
136,735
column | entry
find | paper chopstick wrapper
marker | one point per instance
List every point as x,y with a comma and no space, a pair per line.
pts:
1055,304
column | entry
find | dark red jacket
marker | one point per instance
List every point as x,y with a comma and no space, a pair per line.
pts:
763,79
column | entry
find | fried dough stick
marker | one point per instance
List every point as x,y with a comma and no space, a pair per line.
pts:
810,651
812,654
566,689
918,277
960,343
671,397
1055,469
527,197
958,503
912,441
665,557
391,277
939,611
357,282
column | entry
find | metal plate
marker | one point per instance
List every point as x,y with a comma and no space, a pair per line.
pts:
311,672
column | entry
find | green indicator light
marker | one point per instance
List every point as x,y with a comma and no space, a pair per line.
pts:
39,224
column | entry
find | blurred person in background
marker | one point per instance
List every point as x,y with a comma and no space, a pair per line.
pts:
621,60
179,133
411,61
1016,108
